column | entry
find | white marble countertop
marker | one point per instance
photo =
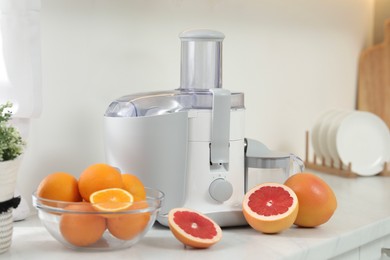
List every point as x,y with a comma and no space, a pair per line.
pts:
362,216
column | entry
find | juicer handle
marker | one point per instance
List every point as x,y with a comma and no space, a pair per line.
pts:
298,161
220,126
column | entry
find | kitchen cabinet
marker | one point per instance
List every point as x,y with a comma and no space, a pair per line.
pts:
372,250
359,229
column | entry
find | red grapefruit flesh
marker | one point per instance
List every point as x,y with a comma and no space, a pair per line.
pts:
193,228
270,207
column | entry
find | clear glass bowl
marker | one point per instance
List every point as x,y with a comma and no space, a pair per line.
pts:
68,224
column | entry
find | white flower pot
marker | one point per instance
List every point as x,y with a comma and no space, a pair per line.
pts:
6,228
8,176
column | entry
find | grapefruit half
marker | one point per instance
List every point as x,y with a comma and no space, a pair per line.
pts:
193,228
270,207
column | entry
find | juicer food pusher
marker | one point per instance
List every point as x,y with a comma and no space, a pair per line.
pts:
189,142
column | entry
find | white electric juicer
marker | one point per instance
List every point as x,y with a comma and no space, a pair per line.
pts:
189,142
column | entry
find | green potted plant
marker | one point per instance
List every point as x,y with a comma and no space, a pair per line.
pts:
11,143
11,148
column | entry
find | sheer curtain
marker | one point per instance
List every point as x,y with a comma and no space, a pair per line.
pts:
20,57
20,67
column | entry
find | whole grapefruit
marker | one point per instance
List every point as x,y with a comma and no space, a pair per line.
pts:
317,201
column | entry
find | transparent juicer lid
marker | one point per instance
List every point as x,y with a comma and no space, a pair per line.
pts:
201,71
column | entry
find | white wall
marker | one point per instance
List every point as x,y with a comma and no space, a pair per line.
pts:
293,60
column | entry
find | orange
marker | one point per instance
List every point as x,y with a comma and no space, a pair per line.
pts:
270,207
129,225
82,229
60,186
193,228
317,201
98,177
133,184
112,199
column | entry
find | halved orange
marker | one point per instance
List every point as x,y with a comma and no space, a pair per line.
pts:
111,200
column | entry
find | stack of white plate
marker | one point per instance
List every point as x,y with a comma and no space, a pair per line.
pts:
361,138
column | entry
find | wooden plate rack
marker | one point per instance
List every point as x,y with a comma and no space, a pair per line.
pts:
342,170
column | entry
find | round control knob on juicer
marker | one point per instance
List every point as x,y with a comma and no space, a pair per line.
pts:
221,190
